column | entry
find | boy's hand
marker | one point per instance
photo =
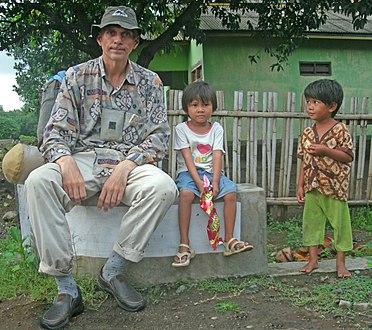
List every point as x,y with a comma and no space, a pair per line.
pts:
300,195
317,149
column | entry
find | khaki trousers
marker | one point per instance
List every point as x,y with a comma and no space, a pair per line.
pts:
149,194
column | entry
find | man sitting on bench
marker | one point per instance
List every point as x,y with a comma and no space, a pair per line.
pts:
107,128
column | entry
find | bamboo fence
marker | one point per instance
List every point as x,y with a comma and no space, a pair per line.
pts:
261,139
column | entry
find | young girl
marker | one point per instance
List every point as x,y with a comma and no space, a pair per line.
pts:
326,151
199,145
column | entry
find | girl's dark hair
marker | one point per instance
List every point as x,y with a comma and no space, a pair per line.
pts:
198,90
326,90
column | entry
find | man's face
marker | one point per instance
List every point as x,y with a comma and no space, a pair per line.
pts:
117,43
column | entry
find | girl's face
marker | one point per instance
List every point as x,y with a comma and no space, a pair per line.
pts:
319,111
200,112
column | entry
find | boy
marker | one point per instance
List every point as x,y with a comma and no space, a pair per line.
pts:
325,149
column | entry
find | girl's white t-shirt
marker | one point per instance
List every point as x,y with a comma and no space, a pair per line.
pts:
201,145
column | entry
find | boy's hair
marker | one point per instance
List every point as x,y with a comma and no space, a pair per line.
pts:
198,90
326,90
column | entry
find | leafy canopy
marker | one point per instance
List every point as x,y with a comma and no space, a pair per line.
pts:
49,35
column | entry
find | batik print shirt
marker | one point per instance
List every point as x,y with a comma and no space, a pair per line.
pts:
330,177
75,123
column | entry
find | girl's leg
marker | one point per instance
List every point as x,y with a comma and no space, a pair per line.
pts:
340,265
229,214
313,261
184,213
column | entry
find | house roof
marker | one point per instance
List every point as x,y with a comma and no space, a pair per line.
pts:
336,25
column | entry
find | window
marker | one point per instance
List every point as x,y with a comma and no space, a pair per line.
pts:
315,68
197,73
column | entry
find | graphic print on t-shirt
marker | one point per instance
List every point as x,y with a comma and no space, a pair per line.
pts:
204,149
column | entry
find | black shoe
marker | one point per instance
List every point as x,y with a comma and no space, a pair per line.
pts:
126,296
63,309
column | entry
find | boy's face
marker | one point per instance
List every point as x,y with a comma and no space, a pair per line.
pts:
319,111
200,112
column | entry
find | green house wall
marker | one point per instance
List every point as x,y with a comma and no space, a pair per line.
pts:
227,66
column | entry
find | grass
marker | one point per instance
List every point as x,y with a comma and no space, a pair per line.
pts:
227,306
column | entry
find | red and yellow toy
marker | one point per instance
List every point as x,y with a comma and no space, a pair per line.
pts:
207,205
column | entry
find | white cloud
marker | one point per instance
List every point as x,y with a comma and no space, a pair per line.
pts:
8,98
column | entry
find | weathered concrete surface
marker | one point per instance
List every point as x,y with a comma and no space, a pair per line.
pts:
94,233
325,266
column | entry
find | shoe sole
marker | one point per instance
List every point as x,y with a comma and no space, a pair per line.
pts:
107,289
231,252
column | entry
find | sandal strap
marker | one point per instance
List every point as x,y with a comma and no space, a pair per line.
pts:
184,245
227,244
183,254
234,244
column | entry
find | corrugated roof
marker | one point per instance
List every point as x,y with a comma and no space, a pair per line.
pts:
336,24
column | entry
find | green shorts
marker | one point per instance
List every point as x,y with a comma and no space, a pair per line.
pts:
320,208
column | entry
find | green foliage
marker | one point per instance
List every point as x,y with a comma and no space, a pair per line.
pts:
324,297
47,36
13,124
361,218
227,306
291,227
218,286
19,275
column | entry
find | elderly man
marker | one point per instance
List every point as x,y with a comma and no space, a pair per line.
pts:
108,126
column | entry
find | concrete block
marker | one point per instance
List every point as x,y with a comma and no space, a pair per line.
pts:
93,233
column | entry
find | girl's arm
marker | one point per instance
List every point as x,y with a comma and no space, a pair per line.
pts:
300,185
186,154
217,169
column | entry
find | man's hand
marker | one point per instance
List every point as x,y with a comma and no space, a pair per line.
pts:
114,188
72,180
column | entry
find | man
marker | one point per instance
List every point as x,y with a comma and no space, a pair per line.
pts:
107,127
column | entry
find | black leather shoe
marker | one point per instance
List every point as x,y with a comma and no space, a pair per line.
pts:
63,309
126,296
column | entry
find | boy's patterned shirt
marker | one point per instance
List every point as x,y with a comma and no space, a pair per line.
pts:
75,122
330,177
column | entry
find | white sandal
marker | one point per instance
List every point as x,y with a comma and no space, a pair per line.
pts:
189,254
232,247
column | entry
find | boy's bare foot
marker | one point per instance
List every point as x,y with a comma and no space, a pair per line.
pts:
343,272
340,265
309,267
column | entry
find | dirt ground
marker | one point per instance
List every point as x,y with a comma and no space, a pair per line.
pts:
178,307
260,308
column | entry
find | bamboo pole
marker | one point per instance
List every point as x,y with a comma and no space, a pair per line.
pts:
361,152
273,146
283,152
292,107
353,132
238,106
264,142
369,180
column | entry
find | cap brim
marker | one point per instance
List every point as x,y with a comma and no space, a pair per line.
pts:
94,30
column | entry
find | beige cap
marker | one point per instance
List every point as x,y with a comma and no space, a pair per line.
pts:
19,161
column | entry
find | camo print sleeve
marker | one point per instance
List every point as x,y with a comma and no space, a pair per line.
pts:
62,130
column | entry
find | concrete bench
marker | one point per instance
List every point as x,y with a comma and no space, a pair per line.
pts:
93,233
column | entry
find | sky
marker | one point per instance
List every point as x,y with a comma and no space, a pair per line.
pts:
8,98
